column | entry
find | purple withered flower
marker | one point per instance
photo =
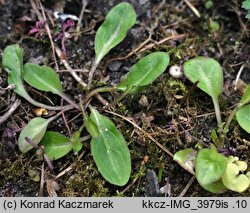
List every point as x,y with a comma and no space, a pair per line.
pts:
65,25
38,29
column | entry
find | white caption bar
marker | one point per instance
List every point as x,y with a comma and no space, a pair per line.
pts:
114,204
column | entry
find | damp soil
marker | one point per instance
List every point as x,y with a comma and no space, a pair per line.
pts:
158,109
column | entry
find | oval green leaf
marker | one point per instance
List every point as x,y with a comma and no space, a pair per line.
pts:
113,30
246,96
42,77
243,117
144,72
207,72
209,166
56,145
110,150
186,158
35,130
13,64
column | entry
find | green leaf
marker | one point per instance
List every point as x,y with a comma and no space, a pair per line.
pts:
42,77
144,72
246,4
76,142
13,64
216,187
234,177
110,150
56,145
215,138
113,30
186,159
214,26
35,130
243,117
209,166
246,96
207,72
91,127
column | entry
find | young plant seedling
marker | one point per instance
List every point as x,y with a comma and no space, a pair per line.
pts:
141,74
209,75
108,146
214,171
113,30
209,167
44,77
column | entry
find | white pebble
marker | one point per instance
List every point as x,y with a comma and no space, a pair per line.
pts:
175,71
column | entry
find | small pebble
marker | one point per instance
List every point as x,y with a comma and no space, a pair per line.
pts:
114,66
175,71
143,101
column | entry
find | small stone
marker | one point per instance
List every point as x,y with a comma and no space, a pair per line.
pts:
175,71
114,66
143,101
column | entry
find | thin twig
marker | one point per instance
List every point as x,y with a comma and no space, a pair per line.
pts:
65,171
238,77
64,120
102,100
133,51
196,12
68,67
78,27
49,34
130,185
14,106
187,186
41,181
75,70
173,37
205,114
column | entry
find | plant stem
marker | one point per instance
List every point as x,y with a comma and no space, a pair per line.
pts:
38,104
231,116
218,117
217,110
116,100
91,73
98,90
57,115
